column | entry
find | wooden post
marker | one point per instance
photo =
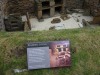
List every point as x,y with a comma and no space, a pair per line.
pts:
28,21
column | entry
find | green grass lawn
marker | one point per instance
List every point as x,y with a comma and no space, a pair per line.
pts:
85,61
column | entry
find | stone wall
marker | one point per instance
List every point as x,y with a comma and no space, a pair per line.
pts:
23,6
20,6
71,4
2,8
93,6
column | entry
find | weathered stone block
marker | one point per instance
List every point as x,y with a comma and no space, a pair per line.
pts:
39,14
52,11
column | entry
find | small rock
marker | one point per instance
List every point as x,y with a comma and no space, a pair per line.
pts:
19,70
56,20
64,17
52,28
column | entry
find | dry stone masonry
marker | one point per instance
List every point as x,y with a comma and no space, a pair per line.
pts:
48,8
1,15
94,7
20,6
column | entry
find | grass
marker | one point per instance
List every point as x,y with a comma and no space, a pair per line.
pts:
85,61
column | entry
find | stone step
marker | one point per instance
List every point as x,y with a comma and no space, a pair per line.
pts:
15,28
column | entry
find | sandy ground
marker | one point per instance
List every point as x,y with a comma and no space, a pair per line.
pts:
67,24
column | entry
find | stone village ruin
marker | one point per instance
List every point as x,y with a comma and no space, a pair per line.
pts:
47,8
12,10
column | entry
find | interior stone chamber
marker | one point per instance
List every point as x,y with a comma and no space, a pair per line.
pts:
48,8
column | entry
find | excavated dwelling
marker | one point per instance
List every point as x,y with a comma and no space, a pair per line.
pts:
47,8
